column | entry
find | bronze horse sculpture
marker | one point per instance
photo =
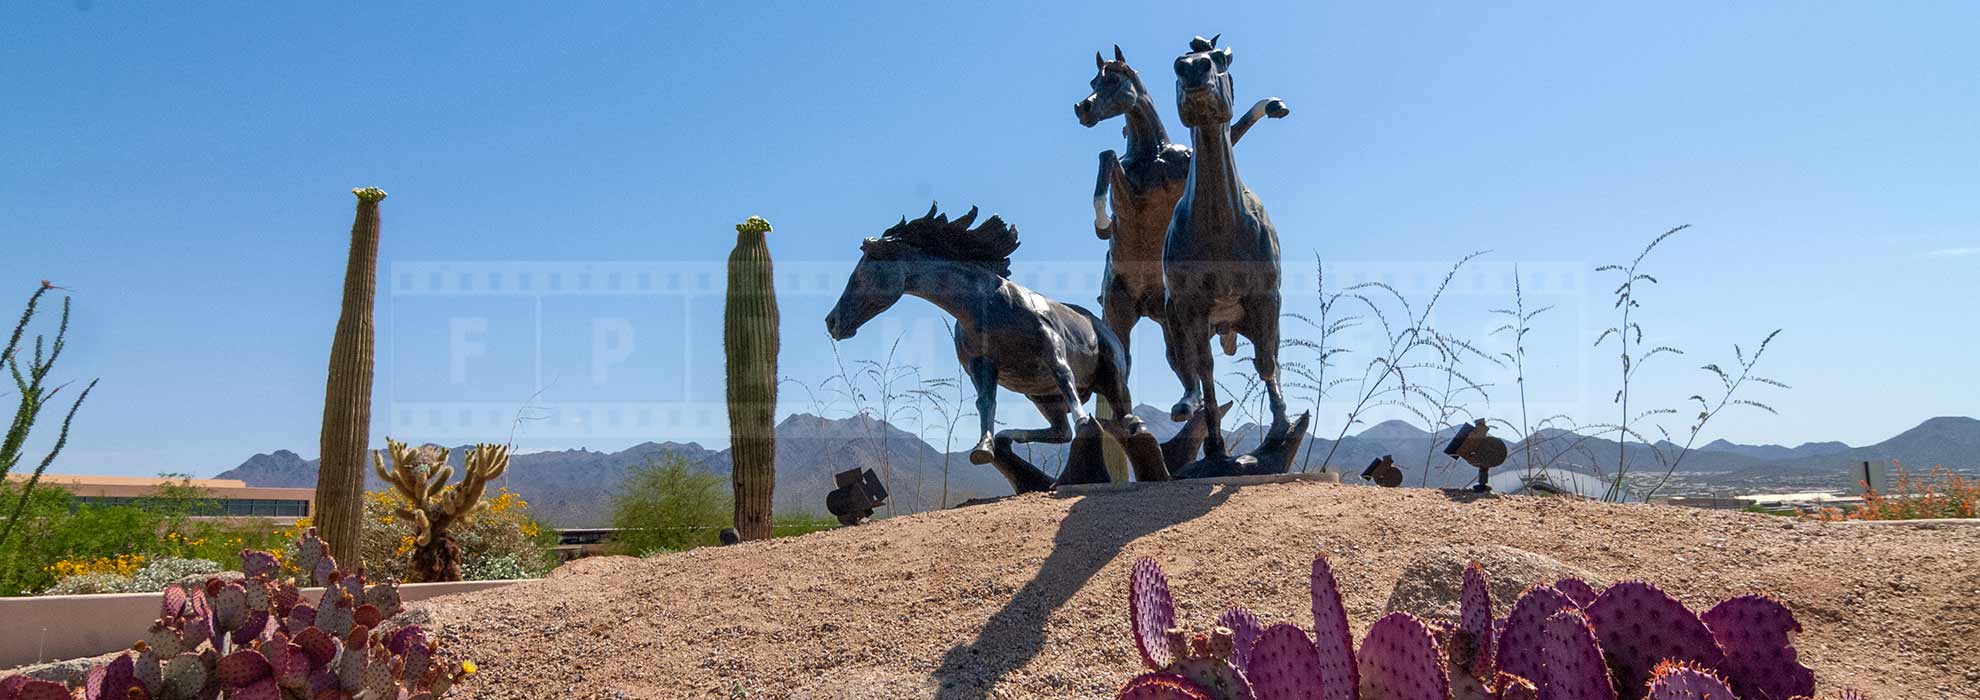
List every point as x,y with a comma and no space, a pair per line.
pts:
1220,266
1055,354
1142,187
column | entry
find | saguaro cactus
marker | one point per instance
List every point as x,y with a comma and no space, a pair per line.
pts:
749,342
420,475
347,396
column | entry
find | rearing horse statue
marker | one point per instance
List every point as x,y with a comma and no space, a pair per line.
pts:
1220,260
1142,187
1006,335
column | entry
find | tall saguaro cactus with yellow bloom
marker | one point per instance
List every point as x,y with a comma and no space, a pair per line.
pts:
420,475
347,396
749,342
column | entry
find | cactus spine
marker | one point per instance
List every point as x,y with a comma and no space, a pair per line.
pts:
749,342
347,396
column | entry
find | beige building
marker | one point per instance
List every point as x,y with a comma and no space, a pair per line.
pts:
225,497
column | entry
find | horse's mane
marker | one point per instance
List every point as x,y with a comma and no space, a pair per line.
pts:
988,246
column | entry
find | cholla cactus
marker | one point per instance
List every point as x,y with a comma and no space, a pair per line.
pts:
255,639
1564,641
420,476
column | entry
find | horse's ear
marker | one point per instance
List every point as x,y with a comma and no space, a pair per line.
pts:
1117,54
1099,62
1222,57
965,220
1213,40
931,211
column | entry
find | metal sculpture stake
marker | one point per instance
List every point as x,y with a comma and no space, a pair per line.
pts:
1476,447
1055,354
1383,472
1220,263
859,493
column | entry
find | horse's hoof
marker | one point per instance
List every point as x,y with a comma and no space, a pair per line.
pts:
1182,411
981,456
1131,424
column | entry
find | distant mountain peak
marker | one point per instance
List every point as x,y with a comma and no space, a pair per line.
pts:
1393,430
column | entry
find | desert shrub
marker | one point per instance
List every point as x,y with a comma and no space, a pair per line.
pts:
1940,494
501,532
165,571
90,584
497,568
125,574
668,506
72,539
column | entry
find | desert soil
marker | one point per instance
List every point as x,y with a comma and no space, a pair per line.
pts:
1025,598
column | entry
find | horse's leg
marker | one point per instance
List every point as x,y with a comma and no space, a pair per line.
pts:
1261,326
983,376
1058,431
1110,382
1110,170
1269,107
1182,332
1206,373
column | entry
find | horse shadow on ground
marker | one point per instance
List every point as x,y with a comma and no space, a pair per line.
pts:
1093,533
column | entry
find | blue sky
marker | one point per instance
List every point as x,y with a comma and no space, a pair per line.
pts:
185,169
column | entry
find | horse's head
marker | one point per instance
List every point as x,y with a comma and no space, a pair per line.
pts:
1115,91
876,283
1203,84
887,263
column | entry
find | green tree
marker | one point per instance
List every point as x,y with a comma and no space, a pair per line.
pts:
665,505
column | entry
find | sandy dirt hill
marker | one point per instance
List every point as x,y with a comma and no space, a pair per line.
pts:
1025,598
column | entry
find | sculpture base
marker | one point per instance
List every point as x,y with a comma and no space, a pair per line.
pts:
1086,461
1023,475
1274,456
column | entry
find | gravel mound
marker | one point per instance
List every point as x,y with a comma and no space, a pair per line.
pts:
1025,598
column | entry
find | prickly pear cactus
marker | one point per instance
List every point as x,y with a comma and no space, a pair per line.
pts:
1284,665
1162,686
1519,644
1339,677
1245,629
1572,664
1474,630
1629,641
1152,611
1761,661
1576,590
1682,681
24,688
251,639
1641,626
1399,660
1204,662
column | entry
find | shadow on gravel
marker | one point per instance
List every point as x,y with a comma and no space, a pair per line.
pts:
1093,532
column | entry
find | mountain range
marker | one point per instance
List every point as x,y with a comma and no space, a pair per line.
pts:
572,488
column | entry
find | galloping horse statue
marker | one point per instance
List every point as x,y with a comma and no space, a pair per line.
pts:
1006,335
1142,187
1220,263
